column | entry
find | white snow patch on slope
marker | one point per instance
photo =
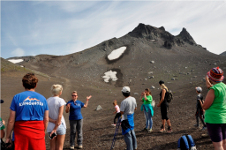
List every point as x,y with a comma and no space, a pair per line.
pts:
110,75
116,53
15,61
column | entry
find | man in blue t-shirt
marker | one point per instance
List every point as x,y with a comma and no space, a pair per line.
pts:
29,117
75,117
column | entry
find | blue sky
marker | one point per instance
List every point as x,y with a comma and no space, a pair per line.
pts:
65,27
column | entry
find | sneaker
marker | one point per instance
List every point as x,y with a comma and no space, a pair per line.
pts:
145,129
204,128
80,147
113,125
72,147
150,130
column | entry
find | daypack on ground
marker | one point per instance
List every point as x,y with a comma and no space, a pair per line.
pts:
168,96
186,142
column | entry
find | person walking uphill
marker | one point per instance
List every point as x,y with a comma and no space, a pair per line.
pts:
215,108
29,116
127,107
164,105
76,120
147,108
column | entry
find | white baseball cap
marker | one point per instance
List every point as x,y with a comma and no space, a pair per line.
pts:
199,89
126,89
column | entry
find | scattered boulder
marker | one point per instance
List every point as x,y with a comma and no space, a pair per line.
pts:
98,108
136,93
152,87
152,62
173,79
151,72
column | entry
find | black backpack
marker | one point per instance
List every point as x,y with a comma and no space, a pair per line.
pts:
186,142
168,96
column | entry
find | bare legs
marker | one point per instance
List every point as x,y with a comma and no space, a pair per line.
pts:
164,121
57,143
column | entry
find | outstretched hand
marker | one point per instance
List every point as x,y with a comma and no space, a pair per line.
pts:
88,97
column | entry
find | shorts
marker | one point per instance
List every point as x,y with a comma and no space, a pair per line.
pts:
217,132
61,130
164,112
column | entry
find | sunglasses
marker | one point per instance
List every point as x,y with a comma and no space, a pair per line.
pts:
74,95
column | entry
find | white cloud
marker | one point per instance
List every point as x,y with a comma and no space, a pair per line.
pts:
59,27
18,52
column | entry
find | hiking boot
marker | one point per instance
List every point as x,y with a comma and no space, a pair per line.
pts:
145,129
150,130
80,147
72,147
114,125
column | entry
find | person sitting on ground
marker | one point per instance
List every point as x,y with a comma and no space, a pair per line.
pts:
29,117
117,112
56,119
215,108
199,111
146,98
76,120
164,106
127,107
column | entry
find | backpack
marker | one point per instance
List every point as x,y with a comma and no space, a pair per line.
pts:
168,96
186,142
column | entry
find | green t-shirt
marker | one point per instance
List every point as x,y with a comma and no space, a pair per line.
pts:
1,124
148,101
216,113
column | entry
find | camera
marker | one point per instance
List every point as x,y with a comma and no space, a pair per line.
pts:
52,136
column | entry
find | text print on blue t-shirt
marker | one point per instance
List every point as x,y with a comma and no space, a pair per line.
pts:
31,101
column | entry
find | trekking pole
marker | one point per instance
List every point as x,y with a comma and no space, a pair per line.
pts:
116,132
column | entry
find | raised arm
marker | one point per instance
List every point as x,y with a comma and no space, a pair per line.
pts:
209,99
87,101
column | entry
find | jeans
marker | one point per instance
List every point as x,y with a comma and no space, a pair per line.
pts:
130,139
148,117
76,126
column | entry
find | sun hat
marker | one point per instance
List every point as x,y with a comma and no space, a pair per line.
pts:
126,89
216,74
198,89
161,82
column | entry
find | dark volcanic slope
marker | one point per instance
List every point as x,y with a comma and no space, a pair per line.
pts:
152,54
223,54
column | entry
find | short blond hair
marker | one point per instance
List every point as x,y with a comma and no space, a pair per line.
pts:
56,89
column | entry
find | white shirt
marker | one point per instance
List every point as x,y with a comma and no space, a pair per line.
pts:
54,104
128,106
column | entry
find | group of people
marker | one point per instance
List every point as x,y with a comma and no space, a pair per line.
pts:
211,112
31,114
